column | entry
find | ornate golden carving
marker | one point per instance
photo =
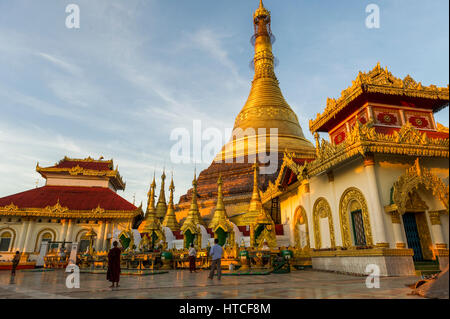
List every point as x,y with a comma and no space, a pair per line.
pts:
363,139
98,210
77,170
322,209
395,217
56,209
378,81
435,217
352,199
9,208
441,128
414,177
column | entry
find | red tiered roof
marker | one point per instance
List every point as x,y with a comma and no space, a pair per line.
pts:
72,197
98,166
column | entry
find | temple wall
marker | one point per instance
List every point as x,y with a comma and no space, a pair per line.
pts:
59,180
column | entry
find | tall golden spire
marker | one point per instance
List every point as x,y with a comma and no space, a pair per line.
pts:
151,222
256,213
193,218
220,217
171,220
266,107
151,197
161,206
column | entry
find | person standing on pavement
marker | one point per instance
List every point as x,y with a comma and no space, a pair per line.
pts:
216,256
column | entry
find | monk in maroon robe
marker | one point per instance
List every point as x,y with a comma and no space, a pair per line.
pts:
113,273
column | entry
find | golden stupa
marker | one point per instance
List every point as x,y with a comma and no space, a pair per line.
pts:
266,109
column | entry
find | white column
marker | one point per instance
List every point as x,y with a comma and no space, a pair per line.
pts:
374,199
105,238
100,234
397,228
63,231
18,243
27,236
69,234
436,228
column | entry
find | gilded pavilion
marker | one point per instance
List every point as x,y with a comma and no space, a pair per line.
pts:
79,200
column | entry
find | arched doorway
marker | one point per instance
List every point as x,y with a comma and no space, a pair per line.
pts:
324,238
412,208
354,218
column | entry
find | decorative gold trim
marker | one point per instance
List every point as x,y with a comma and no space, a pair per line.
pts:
378,81
57,211
377,251
77,170
435,217
363,139
414,177
350,195
322,209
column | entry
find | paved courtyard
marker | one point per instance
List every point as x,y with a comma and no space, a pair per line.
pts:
182,284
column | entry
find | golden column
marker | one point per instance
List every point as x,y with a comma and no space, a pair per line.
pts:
171,220
161,206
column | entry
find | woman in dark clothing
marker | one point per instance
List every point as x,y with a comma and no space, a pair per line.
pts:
15,263
113,273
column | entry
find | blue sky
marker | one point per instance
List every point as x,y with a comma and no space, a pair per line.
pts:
135,70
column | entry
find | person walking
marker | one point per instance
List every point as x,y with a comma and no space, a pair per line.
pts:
15,263
192,256
216,256
113,273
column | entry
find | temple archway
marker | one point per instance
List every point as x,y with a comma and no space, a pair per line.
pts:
322,210
415,177
46,234
354,219
300,219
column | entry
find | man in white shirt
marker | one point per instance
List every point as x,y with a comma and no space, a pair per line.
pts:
216,255
192,255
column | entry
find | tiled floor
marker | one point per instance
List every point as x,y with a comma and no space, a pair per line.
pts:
182,284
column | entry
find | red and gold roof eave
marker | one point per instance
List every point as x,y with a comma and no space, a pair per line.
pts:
408,141
291,172
380,82
112,174
58,211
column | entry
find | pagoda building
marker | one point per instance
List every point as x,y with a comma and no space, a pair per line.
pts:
190,228
161,206
253,135
220,224
377,192
170,220
79,196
